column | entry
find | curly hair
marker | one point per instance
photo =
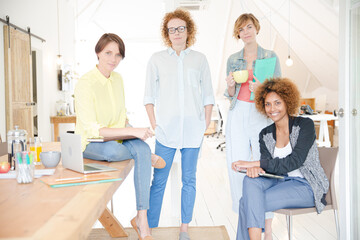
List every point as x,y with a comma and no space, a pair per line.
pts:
190,26
283,87
241,20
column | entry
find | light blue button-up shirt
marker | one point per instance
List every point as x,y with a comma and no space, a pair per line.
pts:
179,87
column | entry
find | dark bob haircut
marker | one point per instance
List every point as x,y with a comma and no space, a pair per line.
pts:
106,39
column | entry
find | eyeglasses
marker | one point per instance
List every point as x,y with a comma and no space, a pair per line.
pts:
179,29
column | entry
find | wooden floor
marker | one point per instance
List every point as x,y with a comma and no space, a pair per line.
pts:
167,233
213,202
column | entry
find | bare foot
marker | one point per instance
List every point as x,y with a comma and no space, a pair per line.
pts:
157,161
141,226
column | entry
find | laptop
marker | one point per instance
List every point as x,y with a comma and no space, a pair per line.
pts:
268,175
72,157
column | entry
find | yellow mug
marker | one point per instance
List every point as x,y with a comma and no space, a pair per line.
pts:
241,76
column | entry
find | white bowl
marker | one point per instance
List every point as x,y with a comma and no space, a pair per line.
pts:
50,159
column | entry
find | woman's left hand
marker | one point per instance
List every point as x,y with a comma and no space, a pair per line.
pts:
238,165
254,172
254,85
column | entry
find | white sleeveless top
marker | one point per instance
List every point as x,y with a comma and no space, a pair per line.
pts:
283,152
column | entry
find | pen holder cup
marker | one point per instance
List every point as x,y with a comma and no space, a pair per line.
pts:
25,172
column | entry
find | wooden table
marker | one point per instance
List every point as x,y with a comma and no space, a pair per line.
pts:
37,211
56,120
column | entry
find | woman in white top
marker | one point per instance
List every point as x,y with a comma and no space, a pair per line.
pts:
178,83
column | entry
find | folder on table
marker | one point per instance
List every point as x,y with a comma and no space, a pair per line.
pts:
79,180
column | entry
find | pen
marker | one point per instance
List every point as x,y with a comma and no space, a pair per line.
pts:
18,156
65,179
31,156
27,159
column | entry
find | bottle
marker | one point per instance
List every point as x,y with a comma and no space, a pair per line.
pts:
36,147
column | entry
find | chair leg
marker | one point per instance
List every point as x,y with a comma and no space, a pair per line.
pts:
112,206
289,225
337,224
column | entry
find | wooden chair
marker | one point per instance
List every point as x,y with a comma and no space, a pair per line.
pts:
327,159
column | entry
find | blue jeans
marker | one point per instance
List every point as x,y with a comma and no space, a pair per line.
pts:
189,157
137,149
262,195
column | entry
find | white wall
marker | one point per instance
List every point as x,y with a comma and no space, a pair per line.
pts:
140,31
314,31
41,17
212,29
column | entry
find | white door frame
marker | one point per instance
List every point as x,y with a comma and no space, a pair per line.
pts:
344,122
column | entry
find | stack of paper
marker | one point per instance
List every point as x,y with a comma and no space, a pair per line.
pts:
37,174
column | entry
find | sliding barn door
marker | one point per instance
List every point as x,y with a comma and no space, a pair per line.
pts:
18,81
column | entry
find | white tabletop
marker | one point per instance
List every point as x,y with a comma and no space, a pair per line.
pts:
323,137
321,117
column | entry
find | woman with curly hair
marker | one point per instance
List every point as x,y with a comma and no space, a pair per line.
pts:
288,148
178,83
244,122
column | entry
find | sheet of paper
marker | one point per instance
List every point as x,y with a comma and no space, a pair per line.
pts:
8,175
44,172
95,139
38,173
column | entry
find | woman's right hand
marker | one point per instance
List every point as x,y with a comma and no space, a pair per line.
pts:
238,165
253,172
143,133
230,81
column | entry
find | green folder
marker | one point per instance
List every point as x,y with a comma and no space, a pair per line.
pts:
84,183
264,68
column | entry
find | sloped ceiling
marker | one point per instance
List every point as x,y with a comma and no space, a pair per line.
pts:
313,35
131,19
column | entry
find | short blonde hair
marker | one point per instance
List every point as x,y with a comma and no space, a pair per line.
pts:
190,26
240,21
283,87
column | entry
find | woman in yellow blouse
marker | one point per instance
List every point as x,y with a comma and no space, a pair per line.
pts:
101,113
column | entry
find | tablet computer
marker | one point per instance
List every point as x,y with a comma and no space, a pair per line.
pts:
269,175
